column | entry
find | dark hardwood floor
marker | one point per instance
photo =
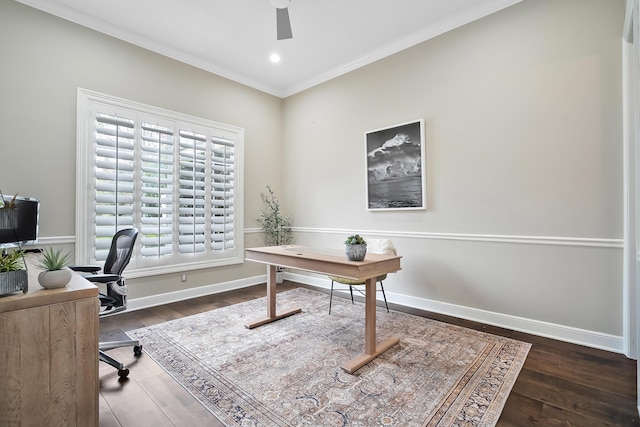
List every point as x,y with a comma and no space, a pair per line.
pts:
561,384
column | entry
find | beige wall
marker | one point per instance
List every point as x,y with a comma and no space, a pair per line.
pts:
523,121
524,154
45,59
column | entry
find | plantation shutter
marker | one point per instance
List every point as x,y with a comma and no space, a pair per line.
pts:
156,207
193,200
173,177
114,178
222,193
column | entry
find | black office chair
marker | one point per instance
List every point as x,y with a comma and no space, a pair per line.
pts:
116,298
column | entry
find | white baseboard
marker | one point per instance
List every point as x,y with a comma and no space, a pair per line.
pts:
181,295
560,332
549,330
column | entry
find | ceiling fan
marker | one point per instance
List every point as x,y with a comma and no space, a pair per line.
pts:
283,25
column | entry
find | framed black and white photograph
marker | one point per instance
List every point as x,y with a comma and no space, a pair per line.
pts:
395,167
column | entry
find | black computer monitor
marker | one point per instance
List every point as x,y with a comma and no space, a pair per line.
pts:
26,229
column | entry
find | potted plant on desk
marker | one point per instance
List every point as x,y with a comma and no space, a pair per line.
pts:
13,275
275,225
55,274
355,248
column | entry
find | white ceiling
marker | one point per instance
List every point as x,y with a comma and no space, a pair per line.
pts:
234,38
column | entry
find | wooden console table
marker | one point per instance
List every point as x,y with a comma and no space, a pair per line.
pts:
332,263
49,355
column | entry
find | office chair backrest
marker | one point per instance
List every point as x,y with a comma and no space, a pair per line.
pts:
381,246
120,251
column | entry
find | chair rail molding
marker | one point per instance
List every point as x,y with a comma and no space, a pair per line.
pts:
497,238
53,240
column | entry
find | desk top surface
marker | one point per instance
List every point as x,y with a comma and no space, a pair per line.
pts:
78,288
326,261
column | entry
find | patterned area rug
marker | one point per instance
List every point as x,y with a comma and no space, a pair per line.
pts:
288,373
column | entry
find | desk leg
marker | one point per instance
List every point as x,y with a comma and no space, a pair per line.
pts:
271,302
371,348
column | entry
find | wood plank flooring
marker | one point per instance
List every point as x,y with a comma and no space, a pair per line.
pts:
561,384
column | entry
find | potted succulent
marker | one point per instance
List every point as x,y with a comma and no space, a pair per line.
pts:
13,275
53,262
355,248
275,225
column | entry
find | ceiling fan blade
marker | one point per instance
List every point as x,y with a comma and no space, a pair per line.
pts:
283,24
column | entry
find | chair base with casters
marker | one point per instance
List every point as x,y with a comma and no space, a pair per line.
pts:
111,304
115,300
351,284
123,371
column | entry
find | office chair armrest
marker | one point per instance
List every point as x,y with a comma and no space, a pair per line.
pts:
85,268
103,278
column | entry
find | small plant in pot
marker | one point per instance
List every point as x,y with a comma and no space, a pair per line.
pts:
53,262
355,248
13,276
11,261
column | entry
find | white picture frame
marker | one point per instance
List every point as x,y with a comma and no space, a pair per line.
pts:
396,167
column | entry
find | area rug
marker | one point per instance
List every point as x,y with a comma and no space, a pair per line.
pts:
287,373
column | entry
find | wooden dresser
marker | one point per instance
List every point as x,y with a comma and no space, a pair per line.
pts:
49,355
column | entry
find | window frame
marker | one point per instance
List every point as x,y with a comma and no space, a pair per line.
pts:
87,102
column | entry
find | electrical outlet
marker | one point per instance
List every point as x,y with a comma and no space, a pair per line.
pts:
183,277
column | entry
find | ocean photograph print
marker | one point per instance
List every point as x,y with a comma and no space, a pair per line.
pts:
396,167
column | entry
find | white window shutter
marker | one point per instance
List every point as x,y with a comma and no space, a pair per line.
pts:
192,205
222,194
156,198
114,178
174,177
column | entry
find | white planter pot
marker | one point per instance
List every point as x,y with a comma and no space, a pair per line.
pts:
54,279
356,252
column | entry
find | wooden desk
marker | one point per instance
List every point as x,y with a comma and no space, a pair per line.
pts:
330,262
49,355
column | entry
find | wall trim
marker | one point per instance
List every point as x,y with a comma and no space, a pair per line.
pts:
185,294
560,332
495,238
549,330
55,240
569,334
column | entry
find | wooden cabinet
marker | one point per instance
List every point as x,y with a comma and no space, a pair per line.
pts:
49,355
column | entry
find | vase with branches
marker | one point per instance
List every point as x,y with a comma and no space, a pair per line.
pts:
275,224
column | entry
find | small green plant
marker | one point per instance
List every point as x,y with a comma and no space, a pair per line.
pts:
356,239
276,226
11,261
53,259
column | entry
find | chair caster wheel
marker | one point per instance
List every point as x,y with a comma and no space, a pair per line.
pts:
123,373
137,350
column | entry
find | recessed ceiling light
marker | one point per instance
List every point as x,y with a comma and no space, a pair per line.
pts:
275,58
